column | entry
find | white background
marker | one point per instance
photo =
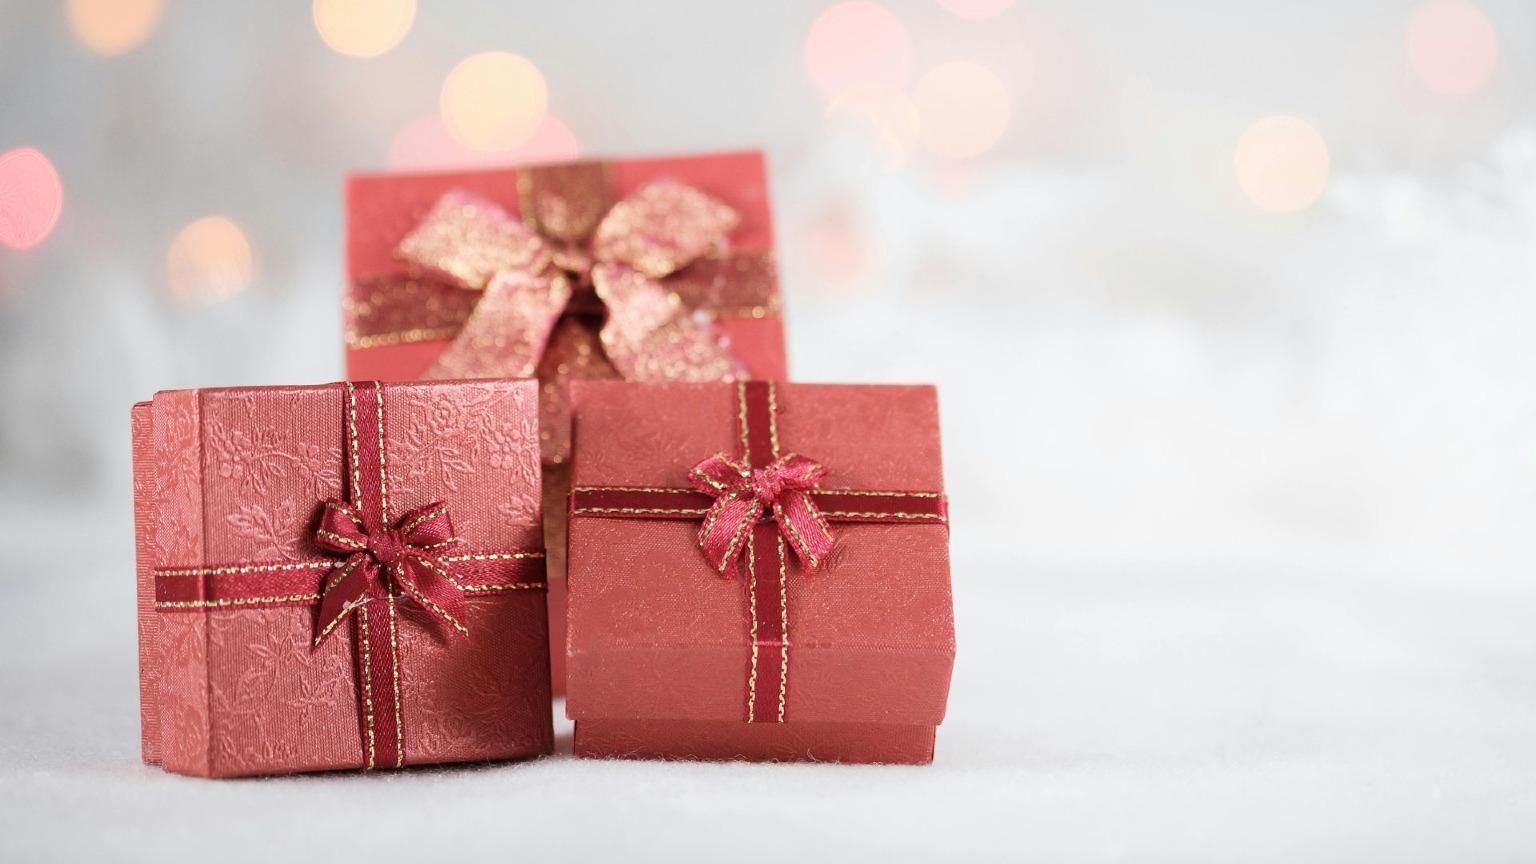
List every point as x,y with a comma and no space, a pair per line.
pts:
1242,501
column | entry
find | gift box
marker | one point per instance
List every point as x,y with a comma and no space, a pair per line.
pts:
642,269
758,571
340,576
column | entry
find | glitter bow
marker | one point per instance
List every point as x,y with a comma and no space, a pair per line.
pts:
742,495
576,254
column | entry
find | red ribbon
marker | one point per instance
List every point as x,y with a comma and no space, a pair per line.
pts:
379,561
751,508
382,567
743,494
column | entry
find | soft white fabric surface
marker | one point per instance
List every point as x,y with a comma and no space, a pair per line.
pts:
1227,712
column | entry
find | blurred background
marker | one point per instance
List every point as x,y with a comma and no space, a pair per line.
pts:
1230,304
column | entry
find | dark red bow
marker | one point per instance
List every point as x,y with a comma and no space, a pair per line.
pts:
742,495
405,556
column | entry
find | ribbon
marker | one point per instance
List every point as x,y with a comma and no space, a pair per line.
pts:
750,509
653,268
381,567
743,494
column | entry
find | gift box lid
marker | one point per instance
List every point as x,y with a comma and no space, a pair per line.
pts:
657,633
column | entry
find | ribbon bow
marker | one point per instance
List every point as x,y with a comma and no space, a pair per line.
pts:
743,495
576,253
404,555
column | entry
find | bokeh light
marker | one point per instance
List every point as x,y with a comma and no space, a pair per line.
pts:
838,252
425,144
963,109
882,112
858,42
363,28
31,198
210,260
1281,163
113,27
1452,47
976,10
494,100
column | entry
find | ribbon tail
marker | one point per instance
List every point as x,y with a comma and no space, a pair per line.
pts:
427,581
346,588
506,333
650,335
727,530
804,526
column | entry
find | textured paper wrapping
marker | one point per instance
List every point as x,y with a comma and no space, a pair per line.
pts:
403,345
238,475
657,649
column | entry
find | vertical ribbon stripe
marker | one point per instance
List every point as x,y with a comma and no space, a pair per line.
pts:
378,648
756,404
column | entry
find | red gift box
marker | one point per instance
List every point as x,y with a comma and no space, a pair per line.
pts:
647,269
758,571
340,576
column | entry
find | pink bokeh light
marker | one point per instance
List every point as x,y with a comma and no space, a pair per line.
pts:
31,197
1452,47
857,42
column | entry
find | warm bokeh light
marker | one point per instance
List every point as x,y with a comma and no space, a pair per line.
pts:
838,253
363,28
1452,47
31,198
425,144
976,10
494,100
114,27
1281,163
210,260
884,113
857,43
963,109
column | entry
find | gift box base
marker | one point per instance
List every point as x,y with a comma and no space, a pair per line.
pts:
718,741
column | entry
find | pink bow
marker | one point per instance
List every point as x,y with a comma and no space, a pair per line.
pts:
405,555
743,494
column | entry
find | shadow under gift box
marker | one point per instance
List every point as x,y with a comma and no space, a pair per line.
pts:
659,655
397,335
226,476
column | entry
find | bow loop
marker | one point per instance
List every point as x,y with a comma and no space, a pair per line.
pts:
661,228
467,241
743,495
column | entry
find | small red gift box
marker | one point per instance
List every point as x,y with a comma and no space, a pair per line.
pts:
340,576
645,269
758,571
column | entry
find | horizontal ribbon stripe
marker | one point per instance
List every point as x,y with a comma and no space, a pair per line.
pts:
298,583
836,505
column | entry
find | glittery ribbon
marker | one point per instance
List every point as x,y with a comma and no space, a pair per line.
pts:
383,567
750,509
653,268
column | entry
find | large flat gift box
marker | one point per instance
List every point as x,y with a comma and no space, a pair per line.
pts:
642,269
340,576
758,571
